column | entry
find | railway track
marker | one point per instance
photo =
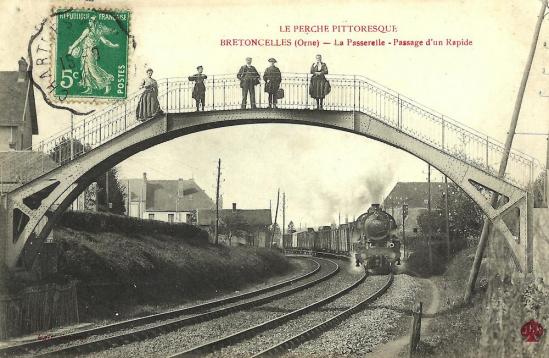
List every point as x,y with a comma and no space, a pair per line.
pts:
171,320
234,338
308,334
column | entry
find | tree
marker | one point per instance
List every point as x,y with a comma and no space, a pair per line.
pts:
116,197
275,233
465,217
234,224
61,153
291,227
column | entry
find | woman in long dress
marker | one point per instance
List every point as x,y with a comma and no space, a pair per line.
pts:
319,86
93,77
148,105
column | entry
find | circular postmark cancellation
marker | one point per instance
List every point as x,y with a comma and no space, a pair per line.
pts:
79,57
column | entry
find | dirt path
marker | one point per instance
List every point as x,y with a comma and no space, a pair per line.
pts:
393,348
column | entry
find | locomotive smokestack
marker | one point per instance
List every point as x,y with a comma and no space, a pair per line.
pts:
376,206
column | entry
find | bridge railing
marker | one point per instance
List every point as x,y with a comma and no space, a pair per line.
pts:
348,93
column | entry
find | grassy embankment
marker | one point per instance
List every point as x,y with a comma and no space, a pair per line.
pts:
491,324
126,266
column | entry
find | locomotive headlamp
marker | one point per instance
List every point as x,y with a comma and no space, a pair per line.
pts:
391,244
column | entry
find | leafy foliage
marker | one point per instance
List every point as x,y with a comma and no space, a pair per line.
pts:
102,222
115,189
62,153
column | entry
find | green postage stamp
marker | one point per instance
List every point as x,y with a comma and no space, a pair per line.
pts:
91,53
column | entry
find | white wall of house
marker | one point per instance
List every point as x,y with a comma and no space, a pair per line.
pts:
168,216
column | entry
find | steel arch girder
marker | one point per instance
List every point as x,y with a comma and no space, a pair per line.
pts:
171,126
463,175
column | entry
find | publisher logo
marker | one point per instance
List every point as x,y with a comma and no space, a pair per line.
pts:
532,331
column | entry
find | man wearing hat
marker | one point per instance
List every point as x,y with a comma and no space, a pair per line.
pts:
199,89
272,78
249,78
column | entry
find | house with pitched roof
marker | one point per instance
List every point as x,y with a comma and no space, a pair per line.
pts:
18,122
238,226
415,194
165,200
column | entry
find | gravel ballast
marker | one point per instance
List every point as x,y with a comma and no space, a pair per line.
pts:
359,334
303,265
190,336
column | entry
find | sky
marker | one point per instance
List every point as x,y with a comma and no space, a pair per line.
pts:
323,172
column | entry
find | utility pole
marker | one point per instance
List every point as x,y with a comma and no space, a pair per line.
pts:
429,228
404,215
283,213
107,190
129,199
217,202
276,216
505,157
447,220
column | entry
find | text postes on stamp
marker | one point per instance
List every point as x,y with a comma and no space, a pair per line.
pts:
91,53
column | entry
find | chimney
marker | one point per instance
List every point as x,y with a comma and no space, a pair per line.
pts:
234,207
23,69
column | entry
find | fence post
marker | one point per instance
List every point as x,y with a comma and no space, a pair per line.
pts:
224,98
213,92
167,96
398,112
487,148
415,332
359,105
72,137
307,92
354,93
125,115
179,98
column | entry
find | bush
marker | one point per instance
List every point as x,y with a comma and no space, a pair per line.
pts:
418,261
95,222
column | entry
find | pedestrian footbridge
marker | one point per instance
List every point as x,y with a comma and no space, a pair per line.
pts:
356,105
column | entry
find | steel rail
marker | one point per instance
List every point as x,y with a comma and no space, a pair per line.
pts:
216,344
161,328
41,344
315,331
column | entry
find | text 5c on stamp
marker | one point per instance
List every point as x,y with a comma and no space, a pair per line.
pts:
91,53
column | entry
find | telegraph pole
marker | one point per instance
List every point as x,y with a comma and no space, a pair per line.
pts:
283,213
447,218
276,216
505,157
107,190
217,202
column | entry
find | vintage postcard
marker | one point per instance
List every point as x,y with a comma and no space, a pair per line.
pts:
300,179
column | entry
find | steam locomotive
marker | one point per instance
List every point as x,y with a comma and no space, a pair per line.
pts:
372,238
377,248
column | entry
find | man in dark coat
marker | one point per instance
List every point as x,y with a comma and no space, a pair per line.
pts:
249,78
272,78
199,89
